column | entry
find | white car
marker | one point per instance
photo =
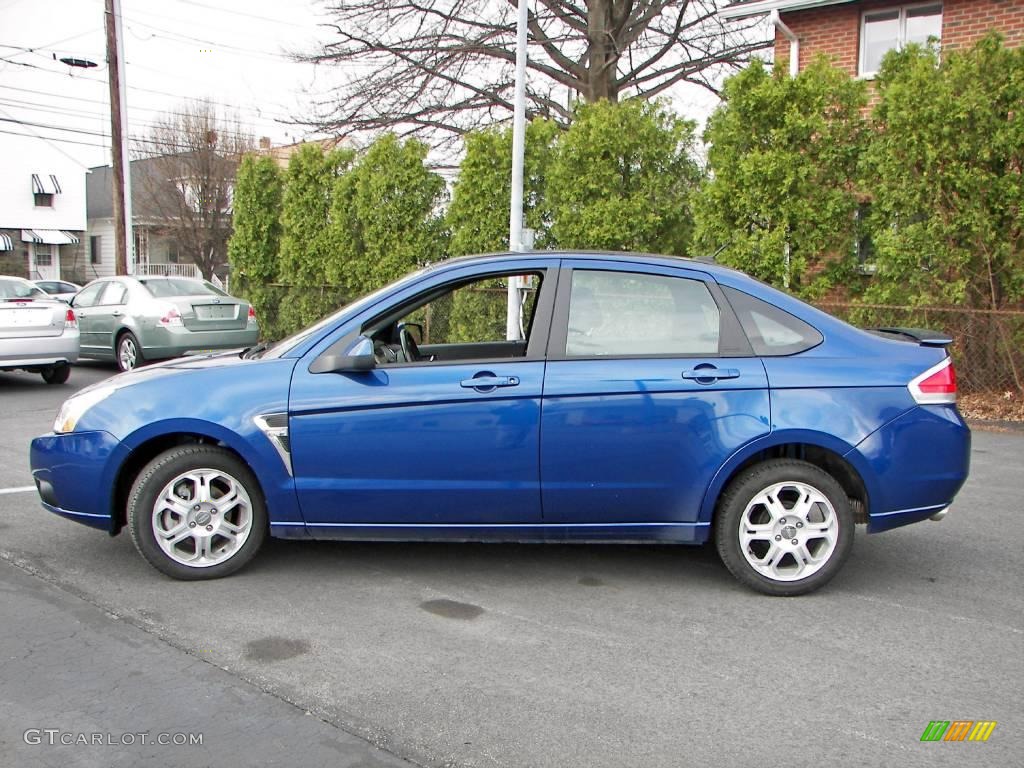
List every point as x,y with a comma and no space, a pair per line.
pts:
59,289
38,333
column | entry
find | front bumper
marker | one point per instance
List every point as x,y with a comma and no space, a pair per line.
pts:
159,343
75,475
34,351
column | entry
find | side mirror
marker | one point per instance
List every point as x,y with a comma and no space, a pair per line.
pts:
356,359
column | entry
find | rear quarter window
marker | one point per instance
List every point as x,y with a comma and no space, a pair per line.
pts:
772,332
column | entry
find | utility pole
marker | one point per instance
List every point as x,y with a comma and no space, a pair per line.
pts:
513,325
124,247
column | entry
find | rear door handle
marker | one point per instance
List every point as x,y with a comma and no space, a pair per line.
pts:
488,382
702,374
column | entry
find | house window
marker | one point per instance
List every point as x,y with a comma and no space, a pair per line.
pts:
894,29
44,255
95,254
43,199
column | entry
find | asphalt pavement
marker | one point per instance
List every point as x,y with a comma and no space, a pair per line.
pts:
510,655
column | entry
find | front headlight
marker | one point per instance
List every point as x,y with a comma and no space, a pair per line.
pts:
76,406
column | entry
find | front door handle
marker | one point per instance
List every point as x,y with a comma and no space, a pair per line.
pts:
707,374
116,313
488,381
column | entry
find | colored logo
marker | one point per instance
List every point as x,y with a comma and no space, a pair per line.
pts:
958,730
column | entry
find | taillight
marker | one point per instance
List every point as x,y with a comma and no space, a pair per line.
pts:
252,314
936,385
70,321
172,317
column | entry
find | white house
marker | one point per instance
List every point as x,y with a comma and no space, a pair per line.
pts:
42,210
156,250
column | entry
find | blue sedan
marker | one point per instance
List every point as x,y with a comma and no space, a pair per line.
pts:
647,399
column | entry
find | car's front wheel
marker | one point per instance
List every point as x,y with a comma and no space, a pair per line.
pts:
784,527
129,352
197,512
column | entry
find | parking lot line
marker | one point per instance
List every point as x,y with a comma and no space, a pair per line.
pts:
20,489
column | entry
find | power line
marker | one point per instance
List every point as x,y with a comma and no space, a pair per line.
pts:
269,118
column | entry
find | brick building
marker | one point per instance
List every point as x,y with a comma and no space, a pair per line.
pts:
856,34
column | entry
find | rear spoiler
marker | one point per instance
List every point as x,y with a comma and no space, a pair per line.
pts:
922,336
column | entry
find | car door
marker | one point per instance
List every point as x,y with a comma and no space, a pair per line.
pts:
105,316
435,444
650,387
84,305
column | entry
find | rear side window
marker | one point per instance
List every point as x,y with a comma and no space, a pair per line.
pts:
113,295
635,314
771,331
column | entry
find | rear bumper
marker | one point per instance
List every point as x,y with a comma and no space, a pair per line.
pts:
918,463
39,350
75,474
159,343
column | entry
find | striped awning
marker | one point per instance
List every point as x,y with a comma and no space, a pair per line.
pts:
51,236
5,242
45,184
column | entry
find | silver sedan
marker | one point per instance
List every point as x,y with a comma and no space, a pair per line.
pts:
134,319
38,333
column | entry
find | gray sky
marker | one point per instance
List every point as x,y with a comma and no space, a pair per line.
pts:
233,52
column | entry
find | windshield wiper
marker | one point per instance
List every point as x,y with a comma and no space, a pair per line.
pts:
250,353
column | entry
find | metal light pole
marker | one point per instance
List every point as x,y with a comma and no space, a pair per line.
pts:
513,324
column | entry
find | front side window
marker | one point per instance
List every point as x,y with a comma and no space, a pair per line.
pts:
467,321
894,29
635,314
89,295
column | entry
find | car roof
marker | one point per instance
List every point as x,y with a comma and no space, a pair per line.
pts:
704,264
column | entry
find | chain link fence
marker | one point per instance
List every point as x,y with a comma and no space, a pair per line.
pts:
988,345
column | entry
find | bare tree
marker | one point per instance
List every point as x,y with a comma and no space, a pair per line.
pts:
426,65
183,180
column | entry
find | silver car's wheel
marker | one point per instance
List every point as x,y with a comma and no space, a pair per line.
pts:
784,527
788,531
129,353
202,517
197,512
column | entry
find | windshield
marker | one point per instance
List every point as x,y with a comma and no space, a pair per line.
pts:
165,287
17,289
285,345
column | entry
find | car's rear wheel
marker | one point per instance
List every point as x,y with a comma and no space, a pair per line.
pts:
197,512
56,374
784,527
129,352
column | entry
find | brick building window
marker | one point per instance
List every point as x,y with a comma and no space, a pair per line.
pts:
894,29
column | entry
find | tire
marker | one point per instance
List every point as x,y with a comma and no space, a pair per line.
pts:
767,508
128,352
197,512
56,374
